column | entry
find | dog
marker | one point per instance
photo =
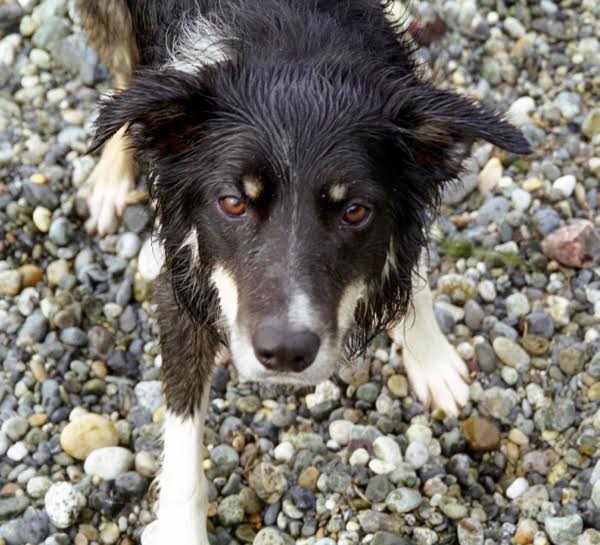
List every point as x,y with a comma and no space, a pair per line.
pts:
296,156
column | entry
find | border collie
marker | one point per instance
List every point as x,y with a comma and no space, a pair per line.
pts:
296,156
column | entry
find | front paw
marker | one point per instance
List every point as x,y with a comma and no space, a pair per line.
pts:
171,532
438,376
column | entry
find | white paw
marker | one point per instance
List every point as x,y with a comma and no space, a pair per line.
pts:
108,185
438,376
181,533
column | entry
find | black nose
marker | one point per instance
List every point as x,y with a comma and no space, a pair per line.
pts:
281,349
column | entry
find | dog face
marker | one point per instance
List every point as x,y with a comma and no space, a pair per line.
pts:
294,201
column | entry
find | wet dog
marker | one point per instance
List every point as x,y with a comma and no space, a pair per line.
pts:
296,157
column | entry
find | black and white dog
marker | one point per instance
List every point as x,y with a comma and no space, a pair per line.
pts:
296,156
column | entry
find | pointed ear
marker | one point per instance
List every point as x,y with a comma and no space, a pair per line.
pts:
162,109
437,129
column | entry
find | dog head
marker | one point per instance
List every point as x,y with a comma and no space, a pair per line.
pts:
294,200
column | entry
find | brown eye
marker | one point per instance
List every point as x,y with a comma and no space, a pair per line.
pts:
356,214
233,206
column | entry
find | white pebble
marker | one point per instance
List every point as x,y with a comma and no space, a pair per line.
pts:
109,462
416,455
518,487
17,452
380,467
519,111
487,290
340,430
150,260
360,457
565,185
63,504
387,450
284,452
419,433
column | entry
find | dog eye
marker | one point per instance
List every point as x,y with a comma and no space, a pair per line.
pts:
356,214
233,206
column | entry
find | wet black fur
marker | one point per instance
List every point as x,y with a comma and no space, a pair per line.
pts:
315,92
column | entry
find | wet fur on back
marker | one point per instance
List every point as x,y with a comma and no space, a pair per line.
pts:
319,90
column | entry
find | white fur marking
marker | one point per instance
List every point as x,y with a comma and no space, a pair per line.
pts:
228,293
338,192
252,187
436,372
390,261
300,312
353,293
200,44
183,502
191,241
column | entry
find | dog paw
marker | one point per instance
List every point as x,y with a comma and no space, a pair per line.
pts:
160,533
108,185
438,376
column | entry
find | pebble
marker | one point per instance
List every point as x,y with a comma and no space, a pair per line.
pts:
403,500
387,450
150,260
416,455
108,462
565,185
268,481
63,504
470,532
10,283
86,434
270,536
510,352
517,488
339,431
284,452
563,530
38,486
481,433
146,464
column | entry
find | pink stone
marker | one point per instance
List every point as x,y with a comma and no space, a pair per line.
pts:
577,245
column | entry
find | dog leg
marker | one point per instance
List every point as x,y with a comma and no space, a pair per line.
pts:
435,371
188,352
183,501
108,185
110,30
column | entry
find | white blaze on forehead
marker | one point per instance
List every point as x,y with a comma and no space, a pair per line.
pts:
300,312
227,291
201,43
353,293
338,192
252,187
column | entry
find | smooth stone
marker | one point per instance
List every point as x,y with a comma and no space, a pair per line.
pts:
108,462
387,450
481,433
563,530
86,434
403,500
416,455
340,430
517,488
510,352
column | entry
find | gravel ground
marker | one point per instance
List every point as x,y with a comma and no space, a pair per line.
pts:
356,460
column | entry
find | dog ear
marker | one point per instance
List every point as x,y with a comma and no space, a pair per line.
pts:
162,109
437,128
